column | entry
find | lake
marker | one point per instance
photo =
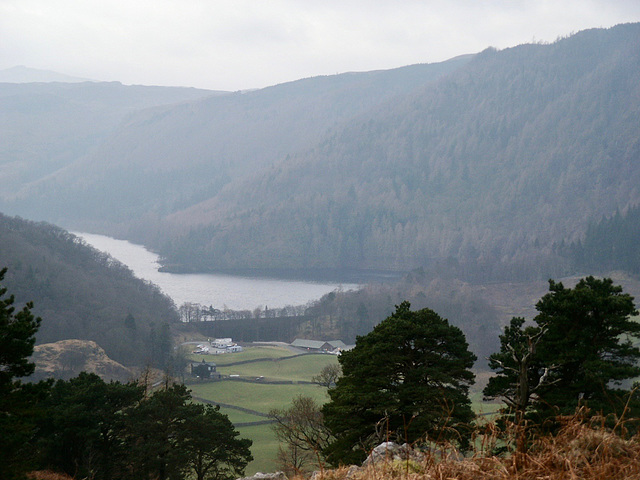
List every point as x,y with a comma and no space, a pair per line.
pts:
218,290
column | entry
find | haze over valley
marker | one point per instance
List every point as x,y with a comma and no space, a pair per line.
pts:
416,222
507,165
485,167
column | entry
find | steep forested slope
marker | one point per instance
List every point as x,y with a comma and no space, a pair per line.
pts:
47,126
613,243
81,293
480,165
167,158
487,168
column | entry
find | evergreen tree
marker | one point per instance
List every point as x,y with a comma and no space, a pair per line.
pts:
211,443
519,374
580,352
152,432
518,369
588,344
170,438
17,338
81,431
407,380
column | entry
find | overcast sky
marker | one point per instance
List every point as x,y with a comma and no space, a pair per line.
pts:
240,44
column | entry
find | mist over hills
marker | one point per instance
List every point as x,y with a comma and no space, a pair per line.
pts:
44,127
22,74
480,166
167,158
483,171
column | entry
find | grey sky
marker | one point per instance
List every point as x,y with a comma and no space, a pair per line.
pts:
239,44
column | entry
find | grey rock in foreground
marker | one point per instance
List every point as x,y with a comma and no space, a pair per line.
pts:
266,476
392,451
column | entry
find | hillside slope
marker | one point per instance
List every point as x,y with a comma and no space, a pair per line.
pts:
46,126
82,293
482,171
168,158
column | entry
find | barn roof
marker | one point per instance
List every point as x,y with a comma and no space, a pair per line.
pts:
318,344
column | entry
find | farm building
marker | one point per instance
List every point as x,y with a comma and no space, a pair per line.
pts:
319,345
204,369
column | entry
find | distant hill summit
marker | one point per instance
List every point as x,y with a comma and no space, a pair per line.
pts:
47,127
22,74
480,166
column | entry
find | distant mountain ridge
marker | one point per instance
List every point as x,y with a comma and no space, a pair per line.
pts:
45,127
480,165
166,158
22,74
482,172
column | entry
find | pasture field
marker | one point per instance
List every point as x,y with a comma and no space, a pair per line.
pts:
256,396
264,448
259,395
238,416
249,353
298,369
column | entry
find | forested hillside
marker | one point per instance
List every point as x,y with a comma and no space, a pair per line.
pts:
168,158
348,314
479,167
482,172
44,127
82,293
610,244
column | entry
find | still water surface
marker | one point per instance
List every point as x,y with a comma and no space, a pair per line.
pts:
218,290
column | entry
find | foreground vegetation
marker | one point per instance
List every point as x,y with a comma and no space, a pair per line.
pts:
408,380
582,449
88,428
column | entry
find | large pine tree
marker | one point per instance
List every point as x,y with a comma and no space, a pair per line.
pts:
407,380
581,351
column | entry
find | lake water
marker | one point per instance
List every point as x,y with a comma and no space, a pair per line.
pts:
218,290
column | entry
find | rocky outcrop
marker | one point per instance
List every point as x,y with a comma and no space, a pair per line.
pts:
385,452
345,473
67,358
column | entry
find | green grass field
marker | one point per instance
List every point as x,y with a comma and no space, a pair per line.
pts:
256,396
250,353
237,416
261,397
296,369
264,448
